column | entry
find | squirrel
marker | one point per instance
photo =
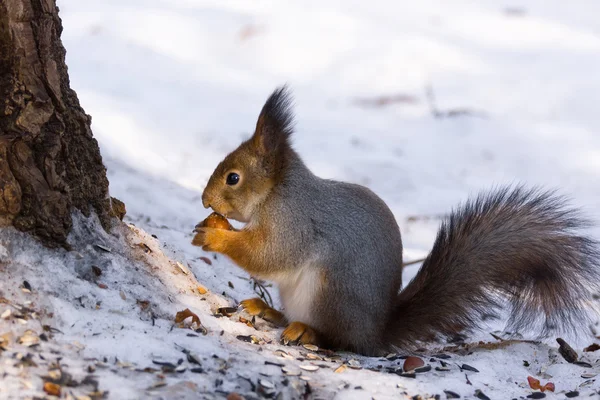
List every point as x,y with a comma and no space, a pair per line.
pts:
334,250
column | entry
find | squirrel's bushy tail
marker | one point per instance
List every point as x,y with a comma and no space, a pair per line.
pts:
512,246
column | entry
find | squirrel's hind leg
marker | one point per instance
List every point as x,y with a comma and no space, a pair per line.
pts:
298,332
257,307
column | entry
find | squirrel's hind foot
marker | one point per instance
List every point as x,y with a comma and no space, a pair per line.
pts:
299,333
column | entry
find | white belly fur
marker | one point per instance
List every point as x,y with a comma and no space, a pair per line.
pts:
297,292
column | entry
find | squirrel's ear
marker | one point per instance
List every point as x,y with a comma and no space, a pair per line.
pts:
275,122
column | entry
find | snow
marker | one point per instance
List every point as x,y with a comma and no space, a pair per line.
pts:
173,86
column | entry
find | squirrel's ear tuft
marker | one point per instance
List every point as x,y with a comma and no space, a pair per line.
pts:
275,122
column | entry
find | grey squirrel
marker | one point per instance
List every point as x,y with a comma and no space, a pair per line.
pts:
335,252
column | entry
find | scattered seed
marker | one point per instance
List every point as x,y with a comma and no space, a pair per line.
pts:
52,389
467,367
309,367
572,394
588,376
27,286
97,271
442,369
122,294
103,248
30,338
313,356
408,375
283,354
248,339
311,347
537,395
201,289
451,395
182,268
592,347
290,371
426,368
442,356
6,314
480,395
230,284
226,311
583,364
55,374
145,247
340,369
305,378
267,362
102,286
567,351
206,260
266,384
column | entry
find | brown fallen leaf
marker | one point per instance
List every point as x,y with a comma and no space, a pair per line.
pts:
534,383
411,363
549,387
592,347
183,315
52,389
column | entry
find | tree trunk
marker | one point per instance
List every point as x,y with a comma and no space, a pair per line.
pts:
49,161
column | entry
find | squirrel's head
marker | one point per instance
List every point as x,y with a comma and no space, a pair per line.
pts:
245,178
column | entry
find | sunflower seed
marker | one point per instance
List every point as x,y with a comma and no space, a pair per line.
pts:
290,371
266,384
309,367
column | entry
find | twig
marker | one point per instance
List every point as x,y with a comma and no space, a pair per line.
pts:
263,293
452,112
404,264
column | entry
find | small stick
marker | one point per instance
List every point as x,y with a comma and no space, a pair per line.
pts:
413,262
263,292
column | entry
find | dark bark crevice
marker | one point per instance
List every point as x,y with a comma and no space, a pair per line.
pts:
49,161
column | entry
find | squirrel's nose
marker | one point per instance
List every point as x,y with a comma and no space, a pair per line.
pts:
205,201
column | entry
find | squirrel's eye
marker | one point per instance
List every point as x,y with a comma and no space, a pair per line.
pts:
233,179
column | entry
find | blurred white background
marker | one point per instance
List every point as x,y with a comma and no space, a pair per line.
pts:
174,85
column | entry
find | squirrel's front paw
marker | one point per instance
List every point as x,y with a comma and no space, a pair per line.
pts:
257,307
207,238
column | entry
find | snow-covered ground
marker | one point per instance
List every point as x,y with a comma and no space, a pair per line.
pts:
174,85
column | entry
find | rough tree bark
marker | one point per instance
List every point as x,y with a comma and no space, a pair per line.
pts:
49,161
